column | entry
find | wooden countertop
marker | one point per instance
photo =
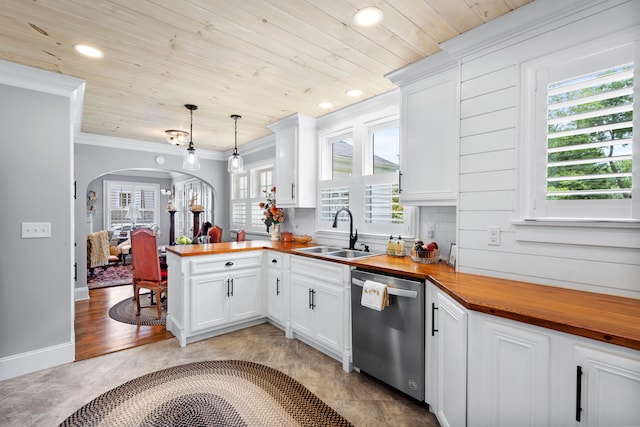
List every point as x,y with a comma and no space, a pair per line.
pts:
592,315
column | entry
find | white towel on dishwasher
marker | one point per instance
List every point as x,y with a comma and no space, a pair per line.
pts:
374,295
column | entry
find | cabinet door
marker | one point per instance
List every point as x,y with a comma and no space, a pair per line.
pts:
610,388
509,373
245,299
209,306
275,295
301,312
286,166
452,362
428,141
328,320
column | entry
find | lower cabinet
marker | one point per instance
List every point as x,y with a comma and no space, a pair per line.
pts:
607,387
213,292
319,307
509,382
447,336
277,289
524,375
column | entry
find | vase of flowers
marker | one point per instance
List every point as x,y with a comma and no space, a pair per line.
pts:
273,215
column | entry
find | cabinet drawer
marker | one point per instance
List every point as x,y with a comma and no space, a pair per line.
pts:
216,263
325,271
274,260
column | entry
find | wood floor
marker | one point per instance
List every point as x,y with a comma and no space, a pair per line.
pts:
98,334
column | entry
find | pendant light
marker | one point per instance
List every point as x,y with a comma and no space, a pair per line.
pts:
235,161
191,159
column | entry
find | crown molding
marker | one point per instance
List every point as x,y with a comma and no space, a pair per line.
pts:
137,145
22,76
255,146
530,20
431,65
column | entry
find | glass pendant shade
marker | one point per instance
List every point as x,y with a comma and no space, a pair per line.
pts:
191,159
235,164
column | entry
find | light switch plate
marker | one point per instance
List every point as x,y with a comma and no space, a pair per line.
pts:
36,230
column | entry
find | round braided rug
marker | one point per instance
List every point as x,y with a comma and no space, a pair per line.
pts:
125,311
212,393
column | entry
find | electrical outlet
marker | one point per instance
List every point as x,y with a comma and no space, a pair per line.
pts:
493,235
36,230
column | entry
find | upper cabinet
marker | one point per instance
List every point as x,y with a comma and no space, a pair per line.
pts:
296,161
429,120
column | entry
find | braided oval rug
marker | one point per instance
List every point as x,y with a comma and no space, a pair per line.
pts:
212,393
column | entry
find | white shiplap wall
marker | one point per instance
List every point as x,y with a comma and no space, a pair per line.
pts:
490,143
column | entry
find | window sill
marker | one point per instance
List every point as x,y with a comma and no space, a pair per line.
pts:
620,234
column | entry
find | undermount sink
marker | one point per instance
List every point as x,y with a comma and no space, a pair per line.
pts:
319,249
339,253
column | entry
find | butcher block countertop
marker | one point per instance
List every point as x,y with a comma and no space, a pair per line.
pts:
597,316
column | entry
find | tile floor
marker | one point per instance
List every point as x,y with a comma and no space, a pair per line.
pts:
47,397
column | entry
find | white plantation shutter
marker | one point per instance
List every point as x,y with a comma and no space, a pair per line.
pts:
247,191
381,204
120,195
332,199
592,109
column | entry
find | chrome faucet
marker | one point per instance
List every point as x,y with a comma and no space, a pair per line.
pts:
352,238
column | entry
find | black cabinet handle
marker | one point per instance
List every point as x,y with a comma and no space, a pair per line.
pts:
433,319
399,182
578,392
313,299
293,191
228,288
309,298
75,271
228,264
277,286
231,287
274,261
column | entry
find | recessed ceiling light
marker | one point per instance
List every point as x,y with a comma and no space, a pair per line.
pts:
368,16
325,105
89,51
354,92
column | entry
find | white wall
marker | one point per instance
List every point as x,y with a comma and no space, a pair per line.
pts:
490,59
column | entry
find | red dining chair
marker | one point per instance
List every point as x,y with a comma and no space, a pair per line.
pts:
146,268
215,233
240,235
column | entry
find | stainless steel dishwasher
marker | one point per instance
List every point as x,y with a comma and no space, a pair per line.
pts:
389,344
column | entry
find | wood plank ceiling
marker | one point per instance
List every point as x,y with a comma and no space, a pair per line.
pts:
262,59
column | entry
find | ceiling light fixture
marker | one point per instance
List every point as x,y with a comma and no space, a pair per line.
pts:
368,17
235,161
325,105
191,160
176,137
89,51
354,93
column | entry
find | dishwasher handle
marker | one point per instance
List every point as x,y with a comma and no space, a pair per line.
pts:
391,291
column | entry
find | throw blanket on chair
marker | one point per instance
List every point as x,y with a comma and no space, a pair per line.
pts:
98,248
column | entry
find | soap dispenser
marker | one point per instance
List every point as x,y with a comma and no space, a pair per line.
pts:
399,247
391,247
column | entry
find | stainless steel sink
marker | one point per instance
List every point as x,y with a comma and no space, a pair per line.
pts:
337,253
349,254
319,249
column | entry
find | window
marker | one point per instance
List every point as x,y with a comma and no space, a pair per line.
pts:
247,191
583,151
359,170
130,203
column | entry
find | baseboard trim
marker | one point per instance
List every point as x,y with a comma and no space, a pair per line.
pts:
36,360
80,294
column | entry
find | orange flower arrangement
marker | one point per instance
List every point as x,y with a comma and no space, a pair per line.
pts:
272,213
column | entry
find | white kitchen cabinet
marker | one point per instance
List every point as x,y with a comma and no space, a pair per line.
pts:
320,307
213,293
277,289
296,161
429,122
509,381
449,353
607,386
